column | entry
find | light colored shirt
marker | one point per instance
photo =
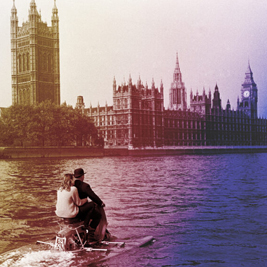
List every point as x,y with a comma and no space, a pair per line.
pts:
68,203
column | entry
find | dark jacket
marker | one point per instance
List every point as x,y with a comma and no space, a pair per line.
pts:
85,190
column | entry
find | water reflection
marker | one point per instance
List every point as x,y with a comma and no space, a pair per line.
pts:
201,209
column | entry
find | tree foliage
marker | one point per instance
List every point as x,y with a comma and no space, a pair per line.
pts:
45,124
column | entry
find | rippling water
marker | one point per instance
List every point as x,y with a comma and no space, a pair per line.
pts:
202,210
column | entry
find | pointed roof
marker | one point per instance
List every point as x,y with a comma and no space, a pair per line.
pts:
55,6
177,66
177,62
130,79
55,12
14,9
177,75
153,83
249,76
249,71
33,6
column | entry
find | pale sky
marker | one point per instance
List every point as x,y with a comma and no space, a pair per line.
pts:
101,39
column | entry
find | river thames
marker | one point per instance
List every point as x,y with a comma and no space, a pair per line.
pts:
207,210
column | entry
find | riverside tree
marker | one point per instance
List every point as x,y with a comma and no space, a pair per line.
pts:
45,124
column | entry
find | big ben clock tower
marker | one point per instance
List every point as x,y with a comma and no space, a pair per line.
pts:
249,95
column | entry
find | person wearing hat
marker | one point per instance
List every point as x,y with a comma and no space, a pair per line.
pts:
84,191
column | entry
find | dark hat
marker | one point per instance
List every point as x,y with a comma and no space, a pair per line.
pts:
78,173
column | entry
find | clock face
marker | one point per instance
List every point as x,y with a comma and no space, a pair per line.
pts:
246,94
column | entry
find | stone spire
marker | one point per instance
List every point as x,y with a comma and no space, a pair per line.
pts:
161,87
139,83
177,75
33,9
14,9
249,76
55,18
55,10
33,4
130,79
228,106
14,16
216,98
114,85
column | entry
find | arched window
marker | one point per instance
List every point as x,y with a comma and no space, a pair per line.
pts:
19,62
28,61
45,62
24,62
49,63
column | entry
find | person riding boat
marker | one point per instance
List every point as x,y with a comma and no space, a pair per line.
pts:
84,191
98,217
69,205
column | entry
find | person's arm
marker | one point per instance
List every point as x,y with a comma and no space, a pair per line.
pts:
91,194
76,199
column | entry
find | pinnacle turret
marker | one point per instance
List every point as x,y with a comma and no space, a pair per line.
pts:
55,10
14,6
177,75
249,76
114,84
14,11
33,9
33,4
161,87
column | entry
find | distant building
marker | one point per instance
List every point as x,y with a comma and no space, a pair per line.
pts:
139,119
249,96
177,91
35,58
134,119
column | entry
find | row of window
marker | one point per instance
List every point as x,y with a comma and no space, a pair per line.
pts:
183,124
23,62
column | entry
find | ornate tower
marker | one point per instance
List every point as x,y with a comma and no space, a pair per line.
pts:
200,103
35,58
80,103
249,95
177,90
216,99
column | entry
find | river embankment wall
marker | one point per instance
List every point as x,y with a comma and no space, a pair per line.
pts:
48,152
68,152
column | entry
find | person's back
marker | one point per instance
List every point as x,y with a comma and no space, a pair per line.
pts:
68,202
84,190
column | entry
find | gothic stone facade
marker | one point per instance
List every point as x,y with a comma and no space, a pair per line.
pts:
139,119
35,58
134,120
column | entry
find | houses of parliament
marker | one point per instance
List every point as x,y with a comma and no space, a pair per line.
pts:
137,118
